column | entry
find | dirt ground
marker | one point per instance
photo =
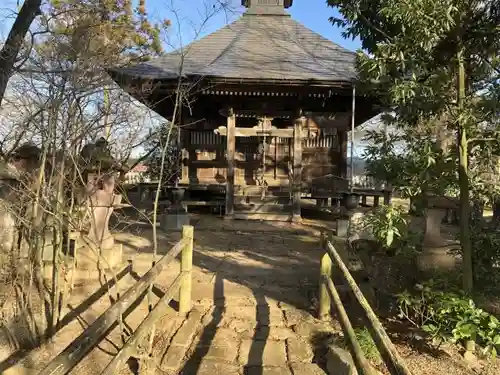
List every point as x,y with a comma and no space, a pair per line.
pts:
236,263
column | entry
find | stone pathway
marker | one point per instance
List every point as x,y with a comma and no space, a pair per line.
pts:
254,289
265,339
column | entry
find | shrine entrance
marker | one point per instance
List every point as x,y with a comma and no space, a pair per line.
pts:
262,160
263,169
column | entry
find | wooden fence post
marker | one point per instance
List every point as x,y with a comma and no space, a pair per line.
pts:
325,271
186,266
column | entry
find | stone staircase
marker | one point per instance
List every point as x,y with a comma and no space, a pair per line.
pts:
262,203
237,340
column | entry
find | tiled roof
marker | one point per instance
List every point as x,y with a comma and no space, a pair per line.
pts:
254,47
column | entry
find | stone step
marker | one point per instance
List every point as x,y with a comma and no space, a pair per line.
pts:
171,359
263,208
246,199
257,191
262,216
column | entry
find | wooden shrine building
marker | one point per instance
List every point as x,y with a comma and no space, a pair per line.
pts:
265,106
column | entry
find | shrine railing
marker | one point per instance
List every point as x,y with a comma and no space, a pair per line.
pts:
96,332
329,294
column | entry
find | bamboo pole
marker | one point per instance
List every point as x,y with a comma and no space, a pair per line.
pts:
324,297
391,357
158,311
186,267
353,124
360,361
83,344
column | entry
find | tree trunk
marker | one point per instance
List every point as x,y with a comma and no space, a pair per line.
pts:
496,211
463,179
14,42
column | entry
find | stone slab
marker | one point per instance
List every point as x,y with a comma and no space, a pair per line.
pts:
226,353
299,350
186,333
222,337
265,315
295,316
308,369
173,358
266,332
266,370
308,329
262,353
165,329
240,326
210,367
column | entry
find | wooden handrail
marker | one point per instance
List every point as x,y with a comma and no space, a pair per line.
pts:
328,292
157,312
64,362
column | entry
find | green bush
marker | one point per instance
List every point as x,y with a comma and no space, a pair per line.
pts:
390,229
450,317
368,346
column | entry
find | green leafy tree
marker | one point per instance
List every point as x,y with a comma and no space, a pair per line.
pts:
428,59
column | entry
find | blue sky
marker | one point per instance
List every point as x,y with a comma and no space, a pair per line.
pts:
189,18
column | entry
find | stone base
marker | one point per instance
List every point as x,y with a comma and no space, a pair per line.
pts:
342,227
174,220
340,362
356,230
89,258
438,259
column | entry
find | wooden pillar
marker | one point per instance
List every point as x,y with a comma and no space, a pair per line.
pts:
297,165
387,197
186,140
343,153
230,151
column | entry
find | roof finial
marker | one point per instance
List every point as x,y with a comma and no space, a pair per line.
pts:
266,6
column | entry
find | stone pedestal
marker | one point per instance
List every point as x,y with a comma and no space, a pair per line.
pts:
342,227
438,259
356,230
174,218
432,234
90,257
437,208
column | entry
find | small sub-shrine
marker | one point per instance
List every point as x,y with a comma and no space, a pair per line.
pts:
266,106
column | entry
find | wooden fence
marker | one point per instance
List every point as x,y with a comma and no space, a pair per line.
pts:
92,336
329,294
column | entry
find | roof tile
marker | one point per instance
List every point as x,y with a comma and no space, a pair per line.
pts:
266,47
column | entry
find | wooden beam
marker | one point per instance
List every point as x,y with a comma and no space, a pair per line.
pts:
253,132
297,165
230,151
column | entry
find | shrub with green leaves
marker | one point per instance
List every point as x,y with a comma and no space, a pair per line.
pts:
390,229
450,317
